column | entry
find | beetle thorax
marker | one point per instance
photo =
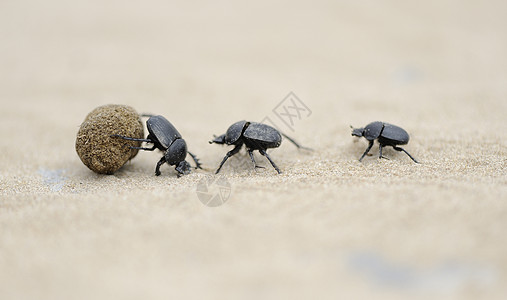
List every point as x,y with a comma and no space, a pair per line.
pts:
176,153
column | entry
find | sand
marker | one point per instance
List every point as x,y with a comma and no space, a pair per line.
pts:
329,227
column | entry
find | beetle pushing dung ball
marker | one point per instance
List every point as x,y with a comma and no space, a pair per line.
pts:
386,134
255,136
164,136
112,134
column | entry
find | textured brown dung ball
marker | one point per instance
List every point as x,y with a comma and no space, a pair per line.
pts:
97,149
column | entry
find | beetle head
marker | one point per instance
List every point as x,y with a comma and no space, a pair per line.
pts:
357,131
176,153
183,168
218,139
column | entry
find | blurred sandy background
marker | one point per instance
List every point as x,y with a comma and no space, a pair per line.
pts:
329,227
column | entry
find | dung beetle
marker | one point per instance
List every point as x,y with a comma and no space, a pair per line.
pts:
164,136
386,134
255,136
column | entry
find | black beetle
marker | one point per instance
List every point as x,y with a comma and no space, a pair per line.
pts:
164,136
387,135
255,136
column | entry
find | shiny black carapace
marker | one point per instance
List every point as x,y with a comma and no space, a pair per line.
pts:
386,134
164,136
255,136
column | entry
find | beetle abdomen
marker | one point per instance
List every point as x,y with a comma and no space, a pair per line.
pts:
162,131
393,135
263,133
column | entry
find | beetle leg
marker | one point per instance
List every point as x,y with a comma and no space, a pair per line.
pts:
229,154
296,143
131,139
137,140
160,162
196,160
367,150
401,149
250,152
263,152
380,152
142,148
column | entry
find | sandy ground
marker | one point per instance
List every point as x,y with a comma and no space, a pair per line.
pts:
329,226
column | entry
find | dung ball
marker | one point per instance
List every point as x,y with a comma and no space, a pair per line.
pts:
96,148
